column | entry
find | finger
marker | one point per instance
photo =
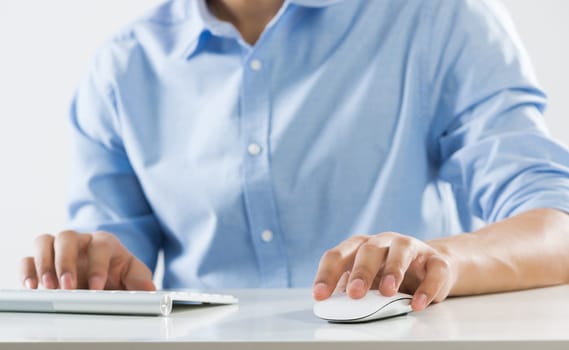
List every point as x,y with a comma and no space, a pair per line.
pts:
43,258
401,253
28,274
436,276
333,264
138,276
369,259
66,250
100,252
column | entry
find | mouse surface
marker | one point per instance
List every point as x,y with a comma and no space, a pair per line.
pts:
374,306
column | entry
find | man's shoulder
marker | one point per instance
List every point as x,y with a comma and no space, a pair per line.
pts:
154,24
171,12
154,34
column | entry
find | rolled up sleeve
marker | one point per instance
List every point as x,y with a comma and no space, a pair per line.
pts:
494,147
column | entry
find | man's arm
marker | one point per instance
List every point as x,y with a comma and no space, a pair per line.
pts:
525,251
114,237
494,150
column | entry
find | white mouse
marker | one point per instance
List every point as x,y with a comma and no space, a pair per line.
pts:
374,306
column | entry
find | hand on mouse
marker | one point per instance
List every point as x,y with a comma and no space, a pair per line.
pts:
390,262
73,260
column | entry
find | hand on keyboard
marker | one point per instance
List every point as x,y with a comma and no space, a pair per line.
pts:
72,260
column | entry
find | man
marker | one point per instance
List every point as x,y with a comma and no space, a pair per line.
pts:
248,138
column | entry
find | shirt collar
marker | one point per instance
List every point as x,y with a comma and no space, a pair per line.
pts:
201,22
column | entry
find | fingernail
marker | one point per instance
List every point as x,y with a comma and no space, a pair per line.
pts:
421,301
28,283
66,281
47,281
96,282
320,288
388,282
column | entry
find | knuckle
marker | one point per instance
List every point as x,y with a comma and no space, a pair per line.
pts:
419,261
43,239
355,241
105,238
64,261
363,271
330,265
103,244
392,234
395,266
332,256
358,238
66,235
405,241
441,263
368,247
102,235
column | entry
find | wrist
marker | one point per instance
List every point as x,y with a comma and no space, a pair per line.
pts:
444,249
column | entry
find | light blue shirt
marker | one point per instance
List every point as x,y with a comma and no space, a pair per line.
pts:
245,163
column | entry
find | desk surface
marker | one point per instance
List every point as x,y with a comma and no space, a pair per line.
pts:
283,319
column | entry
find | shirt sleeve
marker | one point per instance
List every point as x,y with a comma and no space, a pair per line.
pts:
493,146
105,193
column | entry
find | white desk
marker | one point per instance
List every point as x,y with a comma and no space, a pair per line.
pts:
283,319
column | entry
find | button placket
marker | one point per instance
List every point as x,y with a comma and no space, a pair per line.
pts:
259,201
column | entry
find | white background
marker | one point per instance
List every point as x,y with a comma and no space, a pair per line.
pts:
45,47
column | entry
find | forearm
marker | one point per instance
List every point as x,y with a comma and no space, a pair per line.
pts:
526,251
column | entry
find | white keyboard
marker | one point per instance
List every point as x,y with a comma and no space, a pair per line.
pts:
104,301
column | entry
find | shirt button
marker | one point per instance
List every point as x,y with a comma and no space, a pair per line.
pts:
267,236
254,149
256,65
